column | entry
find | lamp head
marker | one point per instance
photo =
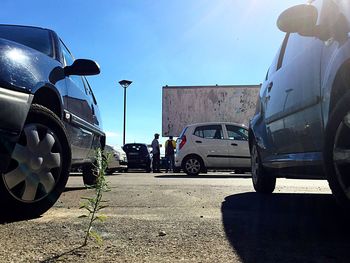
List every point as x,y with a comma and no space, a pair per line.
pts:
125,83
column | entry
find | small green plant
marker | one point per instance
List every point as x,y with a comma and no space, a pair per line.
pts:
94,205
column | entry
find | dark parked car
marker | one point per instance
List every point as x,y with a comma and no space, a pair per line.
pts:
302,123
49,119
138,156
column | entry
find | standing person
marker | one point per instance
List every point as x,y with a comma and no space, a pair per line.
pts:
156,154
170,146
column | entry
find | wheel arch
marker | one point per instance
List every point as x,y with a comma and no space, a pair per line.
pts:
49,98
340,85
251,138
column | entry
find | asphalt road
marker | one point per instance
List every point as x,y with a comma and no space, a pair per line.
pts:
216,217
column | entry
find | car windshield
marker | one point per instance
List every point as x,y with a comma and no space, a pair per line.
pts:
32,37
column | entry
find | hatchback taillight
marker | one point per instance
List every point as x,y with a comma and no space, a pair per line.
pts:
183,141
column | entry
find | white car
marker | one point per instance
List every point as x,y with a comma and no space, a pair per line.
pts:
116,162
213,145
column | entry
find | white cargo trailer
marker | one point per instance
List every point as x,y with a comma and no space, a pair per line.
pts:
183,105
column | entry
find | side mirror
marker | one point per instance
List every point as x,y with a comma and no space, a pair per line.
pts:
300,19
82,67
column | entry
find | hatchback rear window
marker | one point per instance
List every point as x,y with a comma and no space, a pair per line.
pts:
135,148
32,37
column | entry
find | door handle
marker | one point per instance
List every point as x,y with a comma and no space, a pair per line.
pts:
269,87
234,144
198,141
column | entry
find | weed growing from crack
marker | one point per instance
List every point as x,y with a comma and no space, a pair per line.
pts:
94,205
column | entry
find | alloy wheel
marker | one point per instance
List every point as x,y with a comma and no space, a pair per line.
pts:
193,166
36,164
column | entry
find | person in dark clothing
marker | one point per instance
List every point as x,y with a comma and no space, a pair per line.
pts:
156,154
170,146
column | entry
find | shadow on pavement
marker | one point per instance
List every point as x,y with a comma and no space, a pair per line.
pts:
78,188
206,176
4,219
58,256
286,228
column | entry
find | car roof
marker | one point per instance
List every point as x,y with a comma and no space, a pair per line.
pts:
216,123
130,144
37,27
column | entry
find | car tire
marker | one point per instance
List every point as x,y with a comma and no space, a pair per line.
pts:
192,165
336,152
89,174
262,181
39,167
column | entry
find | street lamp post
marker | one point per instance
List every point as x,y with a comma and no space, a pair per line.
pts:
124,83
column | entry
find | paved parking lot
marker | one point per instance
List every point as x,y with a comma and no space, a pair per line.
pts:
216,217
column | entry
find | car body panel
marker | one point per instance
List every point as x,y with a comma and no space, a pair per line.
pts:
214,152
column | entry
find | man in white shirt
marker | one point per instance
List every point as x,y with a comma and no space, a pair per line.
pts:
156,154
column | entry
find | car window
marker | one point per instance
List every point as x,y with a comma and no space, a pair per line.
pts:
36,38
296,45
135,148
89,90
273,66
68,60
67,56
209,132
237,133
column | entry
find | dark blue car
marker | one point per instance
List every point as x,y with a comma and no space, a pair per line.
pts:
49,119
302,123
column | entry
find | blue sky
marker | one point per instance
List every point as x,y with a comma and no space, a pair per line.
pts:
158,43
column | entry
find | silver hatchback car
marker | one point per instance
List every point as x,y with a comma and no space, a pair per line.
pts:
212,145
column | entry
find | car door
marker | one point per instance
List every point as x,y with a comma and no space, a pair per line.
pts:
209,142
238,147
96,118
81,117
293,112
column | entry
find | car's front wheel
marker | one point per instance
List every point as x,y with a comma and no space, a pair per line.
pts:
39,168
192,165
262,181
337,152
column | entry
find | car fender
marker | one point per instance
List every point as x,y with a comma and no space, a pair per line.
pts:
339,57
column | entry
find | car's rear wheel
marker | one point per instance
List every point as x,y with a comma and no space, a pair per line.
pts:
337,152
262,182
89,174
192,165
39,168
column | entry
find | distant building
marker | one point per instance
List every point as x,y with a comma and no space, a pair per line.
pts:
183,105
